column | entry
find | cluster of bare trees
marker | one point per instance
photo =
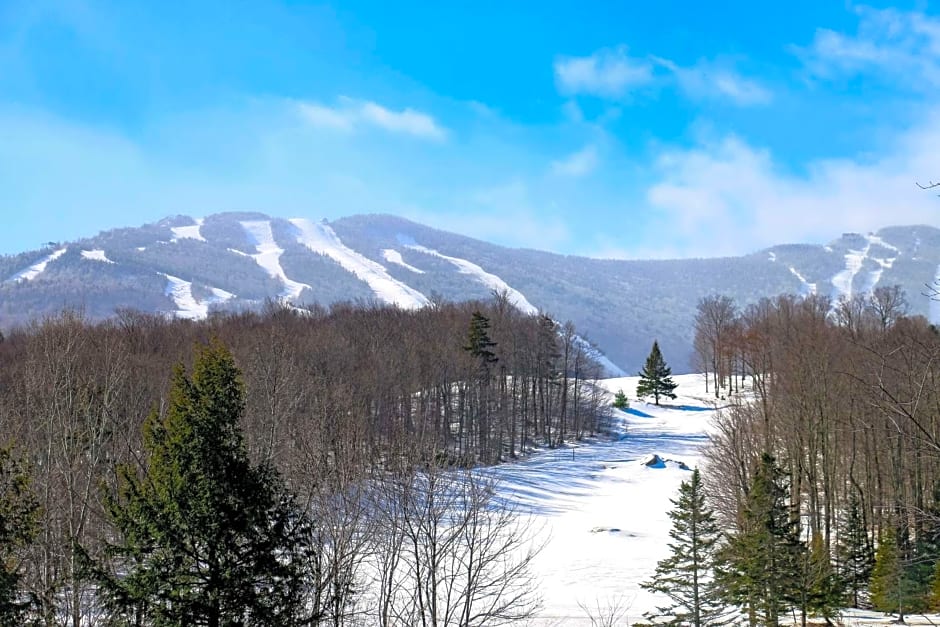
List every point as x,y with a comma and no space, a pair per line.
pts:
357,407
846,396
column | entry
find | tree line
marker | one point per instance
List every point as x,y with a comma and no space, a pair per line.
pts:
354,428
821,487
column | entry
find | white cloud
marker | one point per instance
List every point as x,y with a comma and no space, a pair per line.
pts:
716,80
353,114
904,46
577,164
608,73
728,197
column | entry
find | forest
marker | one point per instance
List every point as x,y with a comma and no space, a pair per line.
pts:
339,441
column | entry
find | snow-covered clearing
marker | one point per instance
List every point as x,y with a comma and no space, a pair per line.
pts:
491,281
188,232
37,268
268,256
95,255
187,305
320,238
603,511
393,256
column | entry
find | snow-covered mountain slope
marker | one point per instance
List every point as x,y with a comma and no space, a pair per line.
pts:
622,306
602,509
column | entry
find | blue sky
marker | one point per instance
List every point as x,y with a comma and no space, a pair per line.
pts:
611,129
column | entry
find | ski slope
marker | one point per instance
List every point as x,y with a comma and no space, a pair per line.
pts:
603,512
37,268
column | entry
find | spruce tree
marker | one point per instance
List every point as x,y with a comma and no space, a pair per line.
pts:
206,537
686,576
821,589
620,400
854,550
656,377
18,526
894,585
479,344
759,568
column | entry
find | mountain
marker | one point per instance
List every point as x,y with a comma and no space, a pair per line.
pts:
187,267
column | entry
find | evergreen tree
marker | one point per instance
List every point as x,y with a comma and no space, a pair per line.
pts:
206,538
893,587
479,344
759,568
854,551
620,400
821,590
656,377
686,576
18,526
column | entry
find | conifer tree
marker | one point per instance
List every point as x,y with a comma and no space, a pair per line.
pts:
759,568
206,537
479,344
18,526
821,590
893,587
620,400
686,576
854,551
656,377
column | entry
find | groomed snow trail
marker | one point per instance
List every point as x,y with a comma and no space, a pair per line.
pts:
268,256
37,268
322,239
603,512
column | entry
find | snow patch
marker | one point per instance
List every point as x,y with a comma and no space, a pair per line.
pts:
772,256
187,306
36,269
853,264
491,281
393,256
188,232
268,256
806,288
321,239
95,255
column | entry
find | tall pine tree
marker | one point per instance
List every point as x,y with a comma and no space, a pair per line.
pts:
206,537
656,377
759,568
686,576
854,553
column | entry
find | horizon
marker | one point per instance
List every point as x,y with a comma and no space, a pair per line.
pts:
642,132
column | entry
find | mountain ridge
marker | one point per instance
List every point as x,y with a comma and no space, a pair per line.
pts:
189,267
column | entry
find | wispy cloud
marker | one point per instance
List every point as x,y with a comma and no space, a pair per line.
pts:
352,114
608,73
577,164
903,46
727,196
716,80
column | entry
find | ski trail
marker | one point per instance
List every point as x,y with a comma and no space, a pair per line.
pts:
268,256
36,269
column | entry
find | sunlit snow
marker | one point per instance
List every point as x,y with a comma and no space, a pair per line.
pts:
95,255
188,232
268,256
393,256
37,268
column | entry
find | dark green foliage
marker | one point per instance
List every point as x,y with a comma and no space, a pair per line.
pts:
854,551
206,538
821,590
479,344
18,526
759,569
899,580
620,400
656,377
686,575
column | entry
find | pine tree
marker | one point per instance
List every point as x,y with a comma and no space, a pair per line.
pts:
894,585
759,568
479,344
206,538
854,551
18,526
821,589
686,577
620,400
656,377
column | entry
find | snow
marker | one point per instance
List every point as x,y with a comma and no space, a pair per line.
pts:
37,268
844,279
95,255
772,256
321,239
393,256
491,281
934,306
854,259
603,512
188,232
806,288
188,306
268,256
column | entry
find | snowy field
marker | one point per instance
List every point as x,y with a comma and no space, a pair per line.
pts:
605,513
